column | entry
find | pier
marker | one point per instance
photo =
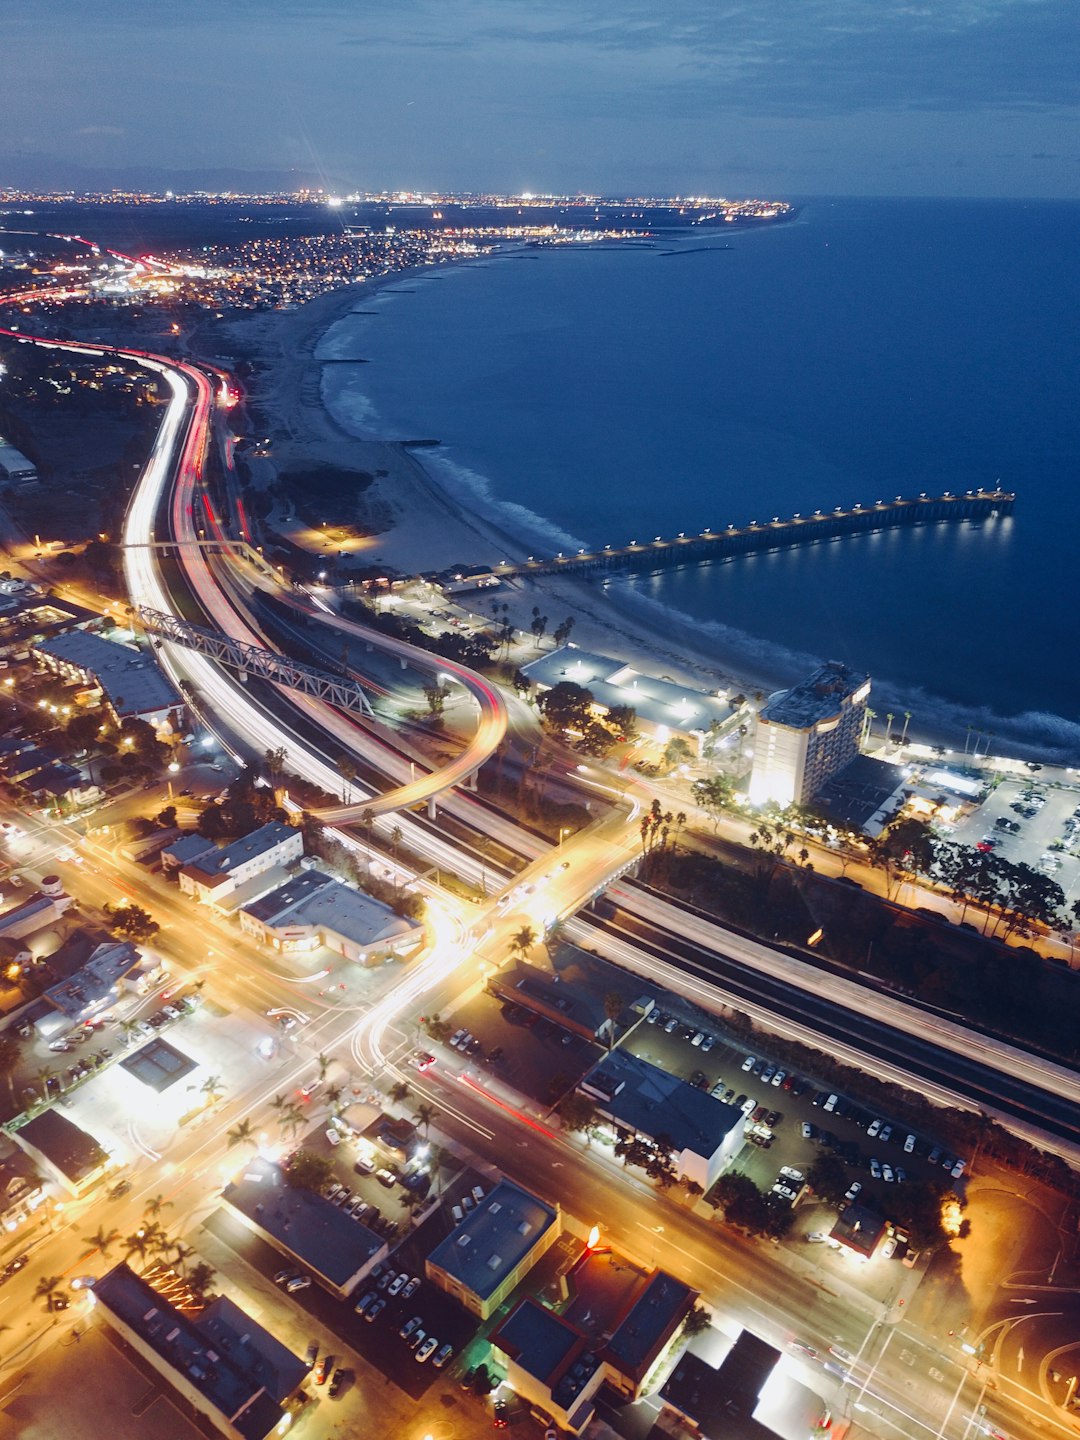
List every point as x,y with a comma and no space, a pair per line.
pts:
775,534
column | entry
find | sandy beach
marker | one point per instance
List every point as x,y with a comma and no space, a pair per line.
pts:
418,527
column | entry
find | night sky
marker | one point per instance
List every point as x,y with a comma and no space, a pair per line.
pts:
731,97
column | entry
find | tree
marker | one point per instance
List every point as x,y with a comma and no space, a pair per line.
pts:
697,1321
566,706
200,1279
577,1112
613,1008
275,766
522,684
213,1088
102,1240
828,1178
155,1205
131,922
676,752
622,719
714,795
523,941
348,770
143,1241
399,1091
305,1170
436,696
242,1133
291,1119
323,1062
561,633
48,1288
538,627
424,1116
181,1254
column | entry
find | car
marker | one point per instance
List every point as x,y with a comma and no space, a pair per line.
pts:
778,1078
888,1250
120,1189
809,1132
376,1310
699,1080
909,1144
411,1288
901,1175
707,1044
773,1118
457,1037
831,1102
817,1237
423,1061
458,1214
281,1276
875,1168
332,1135
671,1024
873,1128
887,1173
386,1177
342,1198
313,1352
445,1352
698,1038
419,1182
765,1071
935,1156
790,1173
60,1047
363,1165
337,1380
749,1105
785,1191
886,1134
298,1282
322,1370
477,1193
748,1064
501,1415
468,1204
15,881
364,1304
398,1284
738,1102
853,1191
416,1339
426,1350
958,1169
410,1326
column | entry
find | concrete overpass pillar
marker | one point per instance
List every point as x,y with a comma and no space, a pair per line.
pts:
431,807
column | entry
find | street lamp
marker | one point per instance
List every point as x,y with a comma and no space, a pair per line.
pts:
566,830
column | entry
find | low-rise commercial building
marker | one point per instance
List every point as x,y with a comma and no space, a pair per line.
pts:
95,986
15,468
337,1249
233,1372
494,1248
213,875
63,1151
21,1190
313,910
32,914
131,684
754,1393
641,1099
574,993
662,708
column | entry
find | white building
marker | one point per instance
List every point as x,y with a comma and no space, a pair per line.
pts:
807,734
15,468
130,682
214,875
314,909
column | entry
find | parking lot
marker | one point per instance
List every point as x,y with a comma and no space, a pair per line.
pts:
1037,824
529,1052
792,1119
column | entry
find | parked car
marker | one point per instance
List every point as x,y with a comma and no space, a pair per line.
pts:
410,1327
853,1191
386,1177
749,1063
322,1370
445,1352
426,1350
337,1380
364,1304
376,1310
398,1284
411,1288
875,1168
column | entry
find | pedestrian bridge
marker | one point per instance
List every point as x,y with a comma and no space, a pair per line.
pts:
774,534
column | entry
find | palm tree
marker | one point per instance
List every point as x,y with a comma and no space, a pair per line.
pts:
242,1133
348,770
212,1087
424,1116
44,1075
613,1008
144,1241
333,1098
47,1289
523,941
323,1062
155,1205
291,1119
181,1254
279,1104
102,1240
128,1028
200,1279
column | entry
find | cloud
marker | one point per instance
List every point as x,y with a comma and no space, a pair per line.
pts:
101,130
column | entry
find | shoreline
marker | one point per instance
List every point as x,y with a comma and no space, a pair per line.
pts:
421,526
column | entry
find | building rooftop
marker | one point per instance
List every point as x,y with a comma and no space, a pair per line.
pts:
188,848
217,864
238,1377
317,1232
864,795
317,900
94,985
130,679
859,1228
550,1348
18,915
648,1324
158,1065
71,1150
611,682
816,699
722,1400
654,1103
494,1239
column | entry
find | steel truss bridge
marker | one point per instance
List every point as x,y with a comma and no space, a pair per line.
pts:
336,690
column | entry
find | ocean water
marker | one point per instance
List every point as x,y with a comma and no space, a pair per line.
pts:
597,395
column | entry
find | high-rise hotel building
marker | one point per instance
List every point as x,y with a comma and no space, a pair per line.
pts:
807,734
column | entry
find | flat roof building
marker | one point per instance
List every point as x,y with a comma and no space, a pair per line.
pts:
550,1363
807,734
494,1247
703,1132
96,985
573,993
753,1394
314,909
231,1370
213,875
32,914
131,684
337,1249
15,468
72,1157
662,708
